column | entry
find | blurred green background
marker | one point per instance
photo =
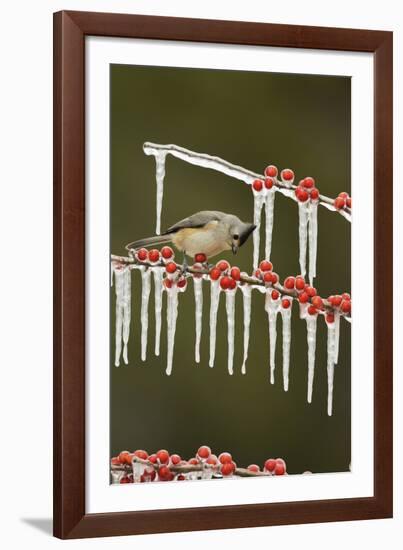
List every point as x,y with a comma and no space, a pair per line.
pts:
251,119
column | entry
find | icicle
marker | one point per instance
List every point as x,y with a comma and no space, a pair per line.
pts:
123,305
272,307
145,298
269,221
112,270
258,202
116,476
247,302
303,211
160,157
331,342
138,470
172,315
198,292
230,307
158,274
286,318
311,322
337,335
214,302
313,239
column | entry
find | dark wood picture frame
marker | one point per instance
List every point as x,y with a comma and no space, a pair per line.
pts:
70,517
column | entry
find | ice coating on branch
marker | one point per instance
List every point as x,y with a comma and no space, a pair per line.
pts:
145,298
337,335
303,215
138,470
123,310
230,307
247,303
198,292
172,315
331,350
313,239
258,202
214,302
286,314
272,308
311,325
270,195
158,291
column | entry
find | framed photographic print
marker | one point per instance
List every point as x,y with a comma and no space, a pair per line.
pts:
223,312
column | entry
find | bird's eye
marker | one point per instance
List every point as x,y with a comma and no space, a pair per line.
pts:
236,237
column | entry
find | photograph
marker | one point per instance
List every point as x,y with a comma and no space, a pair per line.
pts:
230,252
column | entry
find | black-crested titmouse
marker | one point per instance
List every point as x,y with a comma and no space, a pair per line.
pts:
207,232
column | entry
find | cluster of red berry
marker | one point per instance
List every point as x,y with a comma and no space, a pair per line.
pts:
154,256
161,466
270,175
306,190
228,276
342,201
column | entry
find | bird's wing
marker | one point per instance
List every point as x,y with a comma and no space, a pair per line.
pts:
200,219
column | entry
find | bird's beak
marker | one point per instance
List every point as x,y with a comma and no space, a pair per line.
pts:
234,248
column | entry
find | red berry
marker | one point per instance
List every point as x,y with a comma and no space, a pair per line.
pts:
257,185
336,301
171,267
289,283
236,273
258,274
163,456
212,460
287,174
265,265
267,277
225,458
275,295
348,202
285,302
141,454
204,451
317,302
310,290
330,317
253,468
346,306
215,273
299,283
125,457
232,283
346,296
180,477
115,461
223,265
268,183
312,310
142,254
269,465
271,171
126,479
228,468
274,278
153,458
343,195
314,194
303,298
167,283
164,473
301,194
225,282
175,459
339,203
154,255
200,258
167,252
193,461
279,470
308,182
182,282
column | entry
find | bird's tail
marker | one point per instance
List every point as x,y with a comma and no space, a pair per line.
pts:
150,241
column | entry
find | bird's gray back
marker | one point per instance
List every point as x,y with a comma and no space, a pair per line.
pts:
200,219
